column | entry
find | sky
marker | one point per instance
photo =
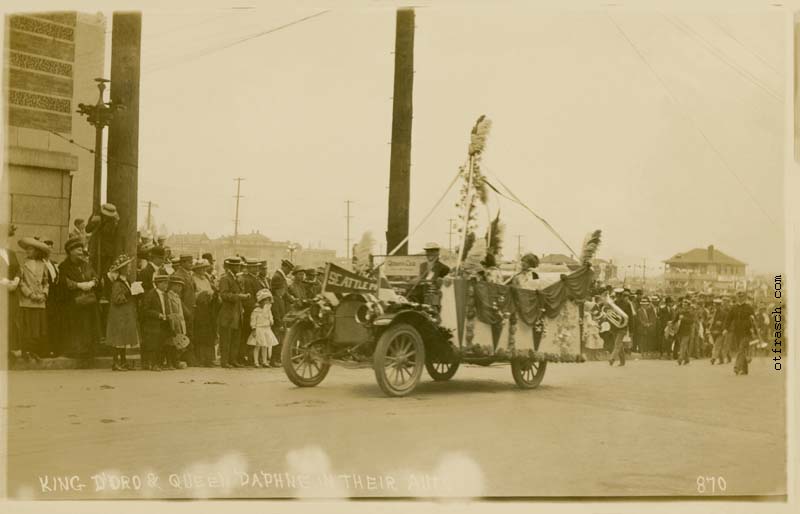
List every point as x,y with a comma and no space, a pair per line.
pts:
665,130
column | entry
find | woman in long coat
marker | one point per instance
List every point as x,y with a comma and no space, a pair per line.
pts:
33,287
79,287
205,329
122,329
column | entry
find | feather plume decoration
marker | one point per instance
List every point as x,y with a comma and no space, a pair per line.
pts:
478,137
494,236
468,242
590,245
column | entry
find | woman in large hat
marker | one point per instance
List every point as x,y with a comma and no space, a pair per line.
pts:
122,330
33,287
81,318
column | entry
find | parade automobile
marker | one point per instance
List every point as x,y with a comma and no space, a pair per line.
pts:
462,321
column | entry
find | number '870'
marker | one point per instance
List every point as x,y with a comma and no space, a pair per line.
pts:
707,485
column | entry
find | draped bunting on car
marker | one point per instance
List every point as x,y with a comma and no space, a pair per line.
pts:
493,319
532,304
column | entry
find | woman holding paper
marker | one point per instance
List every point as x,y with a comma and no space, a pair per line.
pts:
121,331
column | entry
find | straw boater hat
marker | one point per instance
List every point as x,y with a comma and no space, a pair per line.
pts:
185,257
72,243
30,242
263,294
287,263
109,209
176,280
160,277
120,262
431,247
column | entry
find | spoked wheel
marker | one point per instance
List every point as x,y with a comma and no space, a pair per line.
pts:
528,374
303,362
399,359
441,369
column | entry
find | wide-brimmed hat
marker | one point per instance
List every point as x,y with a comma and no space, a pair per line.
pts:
431,247
120,262
202,263
263,294
32,242
72,243
109,209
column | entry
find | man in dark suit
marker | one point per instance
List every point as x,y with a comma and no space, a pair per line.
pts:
155,264
282,301
153,321
229,318
430,271
250,285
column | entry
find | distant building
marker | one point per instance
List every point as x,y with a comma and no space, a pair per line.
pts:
51,62
705,270
605,271
254,245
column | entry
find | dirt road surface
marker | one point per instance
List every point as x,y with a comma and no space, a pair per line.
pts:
649,428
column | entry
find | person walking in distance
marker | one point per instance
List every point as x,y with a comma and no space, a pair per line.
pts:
230,314
684,318
618,333
741,325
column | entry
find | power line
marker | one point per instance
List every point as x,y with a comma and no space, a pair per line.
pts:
241,40
687,115
107,160
753,52
719,55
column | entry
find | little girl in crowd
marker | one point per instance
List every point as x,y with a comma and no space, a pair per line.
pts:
262,339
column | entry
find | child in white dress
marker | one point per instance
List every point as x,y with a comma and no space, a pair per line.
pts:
262,339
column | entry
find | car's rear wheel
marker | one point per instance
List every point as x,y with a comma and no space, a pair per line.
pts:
399,359
528,374
442,367
303,361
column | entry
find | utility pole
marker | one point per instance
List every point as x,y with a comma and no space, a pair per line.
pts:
123,134
149,222
402,114
644,268
519,247
238,181
450,234
347,230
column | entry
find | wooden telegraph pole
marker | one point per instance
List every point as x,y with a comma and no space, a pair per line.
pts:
402,111
123,135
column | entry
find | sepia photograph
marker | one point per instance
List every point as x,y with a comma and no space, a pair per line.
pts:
473,252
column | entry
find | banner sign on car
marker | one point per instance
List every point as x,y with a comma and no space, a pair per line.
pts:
340,280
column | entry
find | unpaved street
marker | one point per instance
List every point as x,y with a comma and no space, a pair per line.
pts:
650,428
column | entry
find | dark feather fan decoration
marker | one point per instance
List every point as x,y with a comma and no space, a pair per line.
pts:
469,241
590,245
494,237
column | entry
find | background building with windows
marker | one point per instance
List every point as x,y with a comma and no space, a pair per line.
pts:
704,270
51,61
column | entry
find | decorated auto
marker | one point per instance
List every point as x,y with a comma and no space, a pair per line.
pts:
356,323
